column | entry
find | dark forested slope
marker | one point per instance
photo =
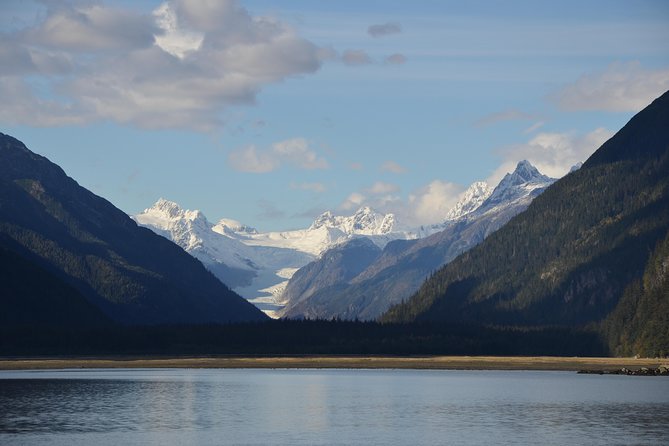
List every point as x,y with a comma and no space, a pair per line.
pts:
639,325
64,235
568,258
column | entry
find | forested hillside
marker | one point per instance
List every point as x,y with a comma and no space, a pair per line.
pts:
73,253
569,257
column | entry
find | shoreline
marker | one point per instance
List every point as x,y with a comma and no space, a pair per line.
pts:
547,363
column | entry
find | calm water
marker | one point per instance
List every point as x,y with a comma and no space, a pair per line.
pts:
387,407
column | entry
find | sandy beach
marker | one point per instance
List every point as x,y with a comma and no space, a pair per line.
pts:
344,362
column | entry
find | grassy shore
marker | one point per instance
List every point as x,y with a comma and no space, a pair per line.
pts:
343,362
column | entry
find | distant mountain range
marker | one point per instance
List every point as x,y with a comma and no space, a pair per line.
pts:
360,281
591,250
258,265
70,258
577,260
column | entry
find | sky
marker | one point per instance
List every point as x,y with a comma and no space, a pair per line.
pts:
272,112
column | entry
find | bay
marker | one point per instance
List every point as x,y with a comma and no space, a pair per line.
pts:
329,407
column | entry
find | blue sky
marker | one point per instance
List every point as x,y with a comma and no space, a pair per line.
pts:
273,112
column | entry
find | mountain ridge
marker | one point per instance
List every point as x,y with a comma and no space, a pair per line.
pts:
258,265
568,258
128,272
398,270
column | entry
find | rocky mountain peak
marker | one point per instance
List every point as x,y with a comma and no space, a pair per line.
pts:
525,172
524,183
166,207
470,200
326,219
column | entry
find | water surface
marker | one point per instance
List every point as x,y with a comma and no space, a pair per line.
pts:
388,407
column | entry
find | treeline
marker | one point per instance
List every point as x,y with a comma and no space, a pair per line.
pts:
287,337
566,260
640,322
569,257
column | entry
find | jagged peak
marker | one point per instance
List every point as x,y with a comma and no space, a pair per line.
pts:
523,181
325,219
363,220
526,171
167,207
470,200
365,210
171,210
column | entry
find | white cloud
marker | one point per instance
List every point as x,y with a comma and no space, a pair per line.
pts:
431,203
91,28
249,159
426,205
393,167
20,105
625,87
175,40
295,152
384,29
356,57
552,153
353,201
182,66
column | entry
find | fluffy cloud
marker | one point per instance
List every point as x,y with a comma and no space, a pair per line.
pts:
295,152
353,201
174,39
384,29
552,153
91,28
431,203
426,205
181,66
623,87
249,159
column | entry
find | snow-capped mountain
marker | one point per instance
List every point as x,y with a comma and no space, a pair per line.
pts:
326,231
524,182
258,265
194,233
364,222
355,291
470,200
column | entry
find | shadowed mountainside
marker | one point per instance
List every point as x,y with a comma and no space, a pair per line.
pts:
568,258
60,236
